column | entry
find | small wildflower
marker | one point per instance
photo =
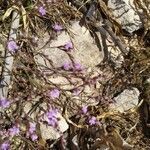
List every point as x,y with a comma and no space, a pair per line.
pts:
52,113
32,128
42,10
5,146
92,120
34,137
4,103
14,131
68,45
54,93
78,66
52,117
12,46
52,121
57,27
67,66
84,109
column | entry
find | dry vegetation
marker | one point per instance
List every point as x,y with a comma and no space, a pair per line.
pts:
30,84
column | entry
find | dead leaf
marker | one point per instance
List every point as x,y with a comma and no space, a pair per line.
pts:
8,12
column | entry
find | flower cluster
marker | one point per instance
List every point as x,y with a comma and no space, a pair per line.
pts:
76,66
57,27
68,46
32,131
12,46
4,103
54,93
42,10
14,130
10,133
52,117
92,120
5,145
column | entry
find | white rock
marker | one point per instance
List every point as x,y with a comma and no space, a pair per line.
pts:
124,11
126,100
48,132
64,83
85,50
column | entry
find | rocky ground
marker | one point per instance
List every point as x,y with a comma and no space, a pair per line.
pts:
75,75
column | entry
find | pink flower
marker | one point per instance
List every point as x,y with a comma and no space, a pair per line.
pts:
14,131
57,27
52,122
68,45
67,66
42,10
5,146
12,46
52,117
34,137
52,113
78,66
84,109
55,93
32,128
92,120
4,103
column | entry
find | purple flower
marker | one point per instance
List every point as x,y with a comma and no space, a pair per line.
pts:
14,131
78,66
52,113
92,120
54,93
34,137
12,46
5,146
67,66
32,127
42,10
4,103
68,45
52,117
57,27
84,109
52,121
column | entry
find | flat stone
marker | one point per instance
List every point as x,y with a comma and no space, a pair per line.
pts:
85,49
124,12
126,100
47,132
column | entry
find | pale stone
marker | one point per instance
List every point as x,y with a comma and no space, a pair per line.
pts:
85,49
48,132
128,99
124,12
64,83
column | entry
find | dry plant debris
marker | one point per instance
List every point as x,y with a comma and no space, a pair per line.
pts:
35,97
